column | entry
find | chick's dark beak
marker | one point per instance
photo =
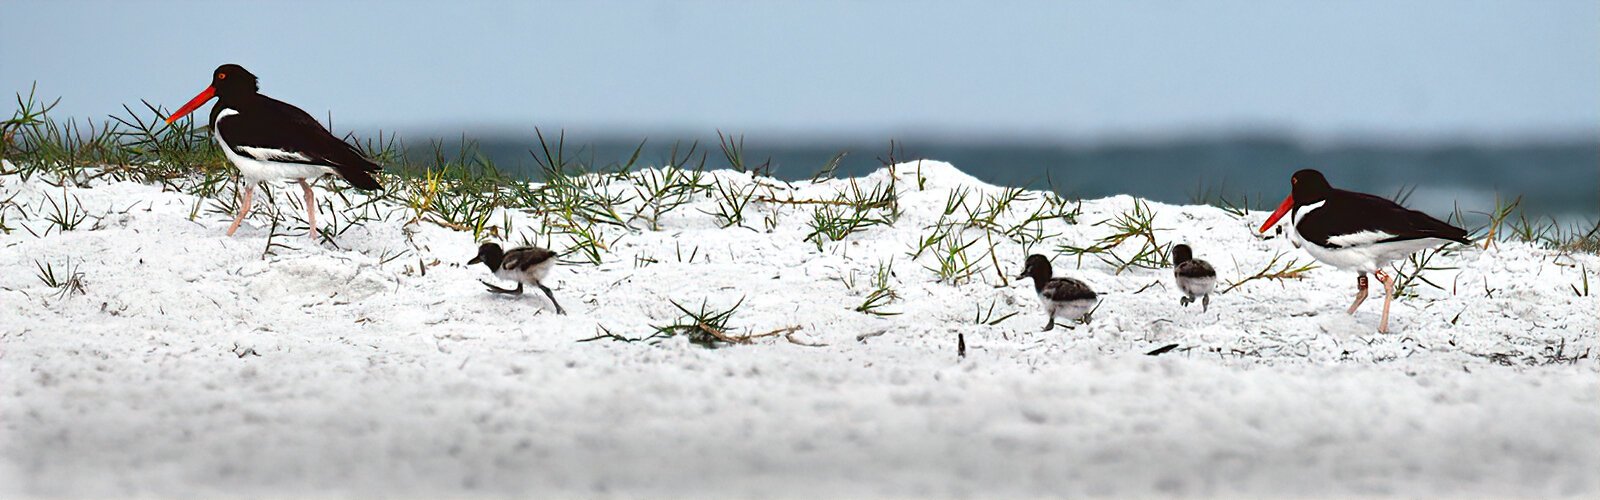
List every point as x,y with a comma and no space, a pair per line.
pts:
475,260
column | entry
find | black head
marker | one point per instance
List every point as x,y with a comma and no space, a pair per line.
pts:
1036,266
489,254
228,81
232,79
1305,187
1309,186
1181,254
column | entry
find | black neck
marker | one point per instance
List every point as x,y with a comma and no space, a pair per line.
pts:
233,101
1040,277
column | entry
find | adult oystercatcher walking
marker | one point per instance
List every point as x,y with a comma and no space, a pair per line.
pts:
1357,232
268,139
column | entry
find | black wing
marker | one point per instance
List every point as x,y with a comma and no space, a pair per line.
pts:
1195,269
1348,212
264,123
1060,289
521,259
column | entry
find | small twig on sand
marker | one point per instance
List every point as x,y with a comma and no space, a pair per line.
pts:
781,331
1162,350
1292,269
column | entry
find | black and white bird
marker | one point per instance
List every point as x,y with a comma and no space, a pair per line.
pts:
1195,277
1060,297
270,140
524,265
1357,232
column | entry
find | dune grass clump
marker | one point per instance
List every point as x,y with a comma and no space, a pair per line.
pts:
68,281
1136,225
881,293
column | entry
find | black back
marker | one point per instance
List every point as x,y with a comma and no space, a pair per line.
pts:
1184,264
1348,212
1063,289
264,122
524,258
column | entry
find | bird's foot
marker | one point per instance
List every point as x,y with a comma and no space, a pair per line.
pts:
496,289
1185,301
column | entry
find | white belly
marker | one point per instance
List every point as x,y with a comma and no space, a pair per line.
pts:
1195,287
1070,309
1367,258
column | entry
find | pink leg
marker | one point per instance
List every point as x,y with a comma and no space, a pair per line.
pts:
245,198
1388,296
311,208
1361,292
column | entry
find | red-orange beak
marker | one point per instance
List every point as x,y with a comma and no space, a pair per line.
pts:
205,95
1288,202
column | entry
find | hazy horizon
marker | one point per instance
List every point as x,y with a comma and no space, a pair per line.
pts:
1424,70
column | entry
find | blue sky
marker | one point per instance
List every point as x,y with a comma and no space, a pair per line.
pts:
1020,69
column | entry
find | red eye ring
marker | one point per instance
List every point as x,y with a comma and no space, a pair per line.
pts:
222,76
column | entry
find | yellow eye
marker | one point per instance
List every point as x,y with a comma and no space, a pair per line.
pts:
222,76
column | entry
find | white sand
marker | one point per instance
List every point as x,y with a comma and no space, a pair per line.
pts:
378,381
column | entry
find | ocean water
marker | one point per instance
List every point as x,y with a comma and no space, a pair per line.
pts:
1556,179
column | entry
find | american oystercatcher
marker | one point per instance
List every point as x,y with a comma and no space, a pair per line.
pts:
523,265
270,140
1064,297
1357,232
1195,277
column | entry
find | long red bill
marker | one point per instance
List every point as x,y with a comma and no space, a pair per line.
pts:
1288,202
189,107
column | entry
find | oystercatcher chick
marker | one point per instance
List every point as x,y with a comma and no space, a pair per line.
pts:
1060,297
1357,232
1195,277
524,265
269,140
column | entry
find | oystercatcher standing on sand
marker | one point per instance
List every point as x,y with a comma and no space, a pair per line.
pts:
271,140
1357,232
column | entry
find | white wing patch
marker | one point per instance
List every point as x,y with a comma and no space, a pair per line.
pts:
1359,239
268,154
